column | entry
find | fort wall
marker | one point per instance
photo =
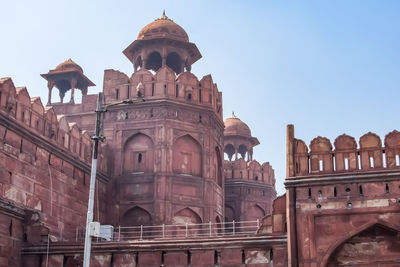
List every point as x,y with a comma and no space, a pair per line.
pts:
343,204
44,172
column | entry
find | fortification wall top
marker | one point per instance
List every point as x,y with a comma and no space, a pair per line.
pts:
345,156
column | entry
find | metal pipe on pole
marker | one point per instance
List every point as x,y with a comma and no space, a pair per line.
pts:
89,218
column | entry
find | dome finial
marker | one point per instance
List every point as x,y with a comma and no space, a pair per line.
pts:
163,16
233,115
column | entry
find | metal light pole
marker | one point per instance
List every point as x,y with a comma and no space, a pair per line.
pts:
89,218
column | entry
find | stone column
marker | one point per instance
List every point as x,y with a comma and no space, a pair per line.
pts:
144,60
50,85
84,90
164,61
62,94
73,85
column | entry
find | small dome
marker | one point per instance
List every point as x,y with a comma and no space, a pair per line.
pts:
234,126
163,28
68,65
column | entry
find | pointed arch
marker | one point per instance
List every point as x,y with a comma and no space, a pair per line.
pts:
138,154
363,228
187,156
186,215
186,223
154,61
255,212
243,150
218,225
229,150
174,62
136,216
229,213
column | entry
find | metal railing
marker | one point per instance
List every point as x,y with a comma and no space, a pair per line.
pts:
179,231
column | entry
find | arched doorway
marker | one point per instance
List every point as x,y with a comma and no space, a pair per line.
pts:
132,221
377,245
187,223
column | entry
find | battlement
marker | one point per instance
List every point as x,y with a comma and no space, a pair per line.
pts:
346,156
184,87
29,112
249,171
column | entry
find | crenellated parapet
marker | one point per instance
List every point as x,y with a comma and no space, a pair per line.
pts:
30,114
45,166
249,171
346,155
163,84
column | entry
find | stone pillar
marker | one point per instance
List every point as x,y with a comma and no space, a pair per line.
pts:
84,90
50,85
62,94
289,151
144,60
164,61
73,85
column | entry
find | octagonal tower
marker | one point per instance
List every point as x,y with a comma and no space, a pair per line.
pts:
249,185
167,149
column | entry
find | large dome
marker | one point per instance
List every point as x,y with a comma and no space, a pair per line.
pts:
163,28
234,126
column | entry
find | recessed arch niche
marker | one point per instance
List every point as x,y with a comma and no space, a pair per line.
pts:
380,243
138,154
187,156
187,217
255,213
135,217
218,166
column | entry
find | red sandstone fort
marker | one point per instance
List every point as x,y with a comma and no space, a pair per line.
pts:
163,188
